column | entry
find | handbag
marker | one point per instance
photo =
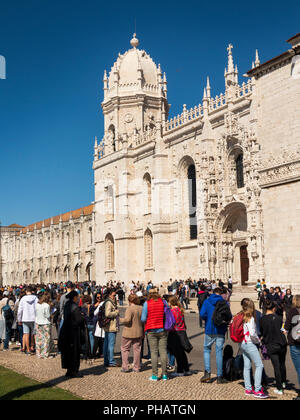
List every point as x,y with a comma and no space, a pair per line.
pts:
184,341
169,320
264,352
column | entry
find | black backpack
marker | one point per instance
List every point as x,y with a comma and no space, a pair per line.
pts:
222,314
233,367
201,298
103,321
8,313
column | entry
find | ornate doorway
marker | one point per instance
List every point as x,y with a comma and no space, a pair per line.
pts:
244,265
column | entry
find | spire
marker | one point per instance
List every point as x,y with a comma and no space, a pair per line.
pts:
236,75
165,89
257,60
230,59
204,95
105,83
208,90
231,74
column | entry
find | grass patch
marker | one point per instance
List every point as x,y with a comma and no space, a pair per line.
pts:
14,386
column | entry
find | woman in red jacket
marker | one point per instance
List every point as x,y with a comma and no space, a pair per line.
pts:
153,317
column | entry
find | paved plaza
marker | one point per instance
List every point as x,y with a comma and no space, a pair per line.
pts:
100,383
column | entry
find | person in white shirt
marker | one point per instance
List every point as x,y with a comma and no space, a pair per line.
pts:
250,351
43,325
99,333
26,317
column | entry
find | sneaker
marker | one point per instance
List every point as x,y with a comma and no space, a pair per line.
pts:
283,385
278,391
260,394
249,392
177,375
170,368
189,373
165,378
221,380
153,378
205,378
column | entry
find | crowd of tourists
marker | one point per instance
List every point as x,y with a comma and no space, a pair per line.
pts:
83,319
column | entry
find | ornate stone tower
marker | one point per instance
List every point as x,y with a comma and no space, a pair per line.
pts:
135,97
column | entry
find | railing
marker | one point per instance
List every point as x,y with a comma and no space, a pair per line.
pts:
184,118
217,102
139,139
245,90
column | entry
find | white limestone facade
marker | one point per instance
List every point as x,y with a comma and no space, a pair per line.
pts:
195,195
55,250
212,192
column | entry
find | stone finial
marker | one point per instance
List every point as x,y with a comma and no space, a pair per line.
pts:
257,60
134,42
230,59
165,83
105,81
208,90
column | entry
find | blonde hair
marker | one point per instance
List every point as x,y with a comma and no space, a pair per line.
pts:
153,294
296,301
249,310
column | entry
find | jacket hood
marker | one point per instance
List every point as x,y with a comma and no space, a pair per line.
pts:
30,299
213,299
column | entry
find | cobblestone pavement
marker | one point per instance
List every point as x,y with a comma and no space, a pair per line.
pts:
110,384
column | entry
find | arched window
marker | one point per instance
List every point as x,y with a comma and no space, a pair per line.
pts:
112,137
110,203
89,272
239,162
147,198
192,201
148,245
77,273
67,273
109,253
78,239
90,235
56,275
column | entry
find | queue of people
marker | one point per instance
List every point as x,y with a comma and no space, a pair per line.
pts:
87,319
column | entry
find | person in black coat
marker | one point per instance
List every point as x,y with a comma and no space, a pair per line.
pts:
275,341
264,298
70,337
287,301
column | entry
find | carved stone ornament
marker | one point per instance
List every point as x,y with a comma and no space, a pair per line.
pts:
128,118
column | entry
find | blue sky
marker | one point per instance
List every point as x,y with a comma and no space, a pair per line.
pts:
56,52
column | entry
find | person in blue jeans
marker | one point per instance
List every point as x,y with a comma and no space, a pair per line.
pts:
111,312
88,312
293,318
213,335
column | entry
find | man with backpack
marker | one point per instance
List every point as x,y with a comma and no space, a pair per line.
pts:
217,316
7,314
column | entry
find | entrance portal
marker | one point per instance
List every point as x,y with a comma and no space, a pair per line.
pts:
244,265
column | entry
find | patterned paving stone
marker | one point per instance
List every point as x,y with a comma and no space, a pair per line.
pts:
110,384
